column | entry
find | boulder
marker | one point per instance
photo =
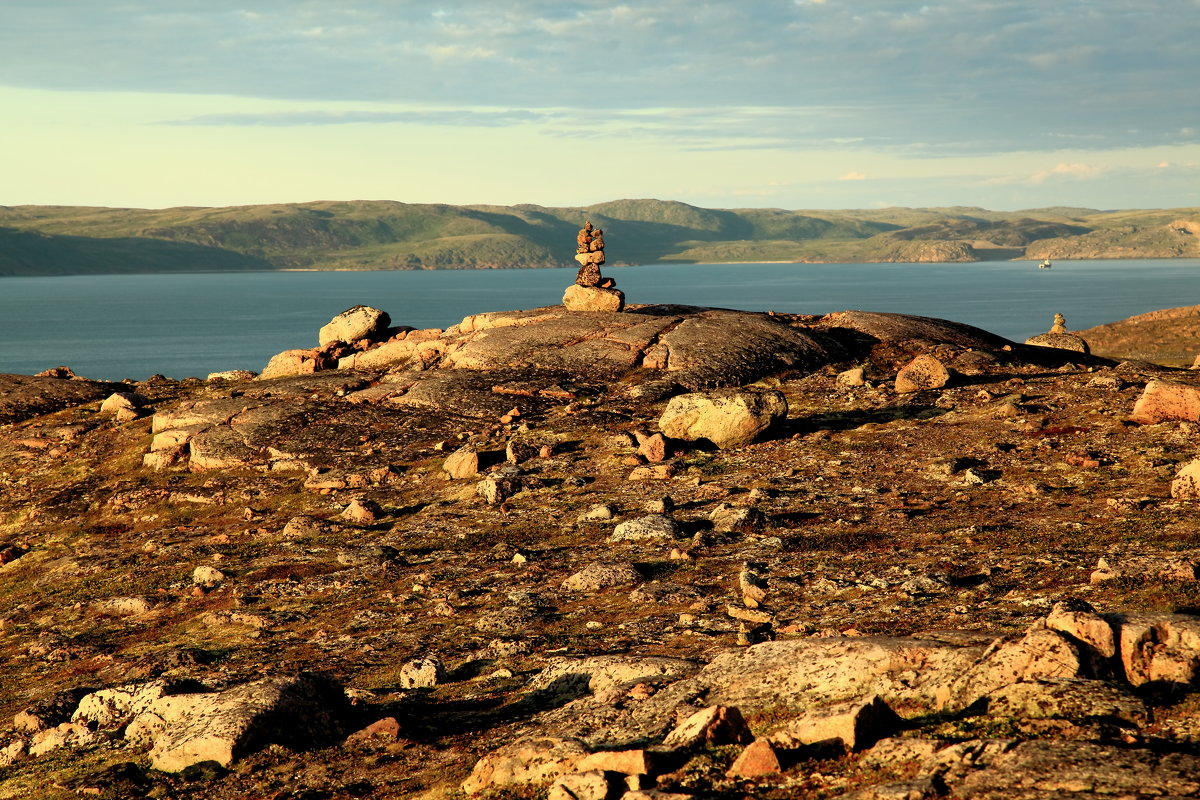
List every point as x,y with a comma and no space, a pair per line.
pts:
232,375
462,463
651,526
118,402
593,298
709,727
591,785
1186,485
1161,401
422,673
1079,701
360,322
923,372
1158,648
855,725
597,575
726,417
535,760
716,348
1061,341
293,362
185,729
757,759
1040,653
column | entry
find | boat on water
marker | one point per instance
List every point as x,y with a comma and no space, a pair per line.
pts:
1045,264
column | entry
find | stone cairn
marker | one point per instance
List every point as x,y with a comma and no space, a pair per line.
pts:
1060,338
591,290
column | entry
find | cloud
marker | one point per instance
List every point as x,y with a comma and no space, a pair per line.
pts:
942,78
1077,171
286,119
853,176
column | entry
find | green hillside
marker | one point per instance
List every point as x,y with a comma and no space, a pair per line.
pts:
392,235
35,253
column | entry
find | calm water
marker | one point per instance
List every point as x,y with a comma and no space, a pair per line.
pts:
131,326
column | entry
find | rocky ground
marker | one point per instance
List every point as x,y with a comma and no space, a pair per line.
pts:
508,560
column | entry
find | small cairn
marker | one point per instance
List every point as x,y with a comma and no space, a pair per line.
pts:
1060,338
591,290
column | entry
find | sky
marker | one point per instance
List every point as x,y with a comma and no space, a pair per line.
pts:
798,104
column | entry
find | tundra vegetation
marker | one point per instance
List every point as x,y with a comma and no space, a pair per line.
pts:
669,552
52,240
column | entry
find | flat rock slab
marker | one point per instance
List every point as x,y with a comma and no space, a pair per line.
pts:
731,348
26,396
898,327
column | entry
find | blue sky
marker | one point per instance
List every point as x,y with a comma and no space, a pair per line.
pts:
778,103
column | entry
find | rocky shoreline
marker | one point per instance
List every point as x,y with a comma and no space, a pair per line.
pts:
666,552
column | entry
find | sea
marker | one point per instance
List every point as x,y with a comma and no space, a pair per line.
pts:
132,326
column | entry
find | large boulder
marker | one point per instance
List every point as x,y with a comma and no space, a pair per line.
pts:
1161,401
726,417
923,372
1061,341
593,298
185,729
360,322
293,362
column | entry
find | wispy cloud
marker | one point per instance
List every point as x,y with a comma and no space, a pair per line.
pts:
940,78
1076,171
285,119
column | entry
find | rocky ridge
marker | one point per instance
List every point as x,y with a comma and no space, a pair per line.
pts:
667,552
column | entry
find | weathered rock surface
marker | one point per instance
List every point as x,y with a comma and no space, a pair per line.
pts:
917,548
23,396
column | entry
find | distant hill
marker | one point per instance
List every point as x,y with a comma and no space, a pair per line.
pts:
1170,336
36,253
393,235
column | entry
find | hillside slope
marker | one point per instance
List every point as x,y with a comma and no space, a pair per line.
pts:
394,235
1169,336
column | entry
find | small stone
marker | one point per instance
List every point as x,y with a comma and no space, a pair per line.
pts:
663,505
386,729
362,512
851,378
710,727
422,673
736,520
752,584
207,577
598,513
756,760
653,448
462,463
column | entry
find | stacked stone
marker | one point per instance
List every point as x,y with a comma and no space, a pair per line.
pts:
1060,338
591,290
